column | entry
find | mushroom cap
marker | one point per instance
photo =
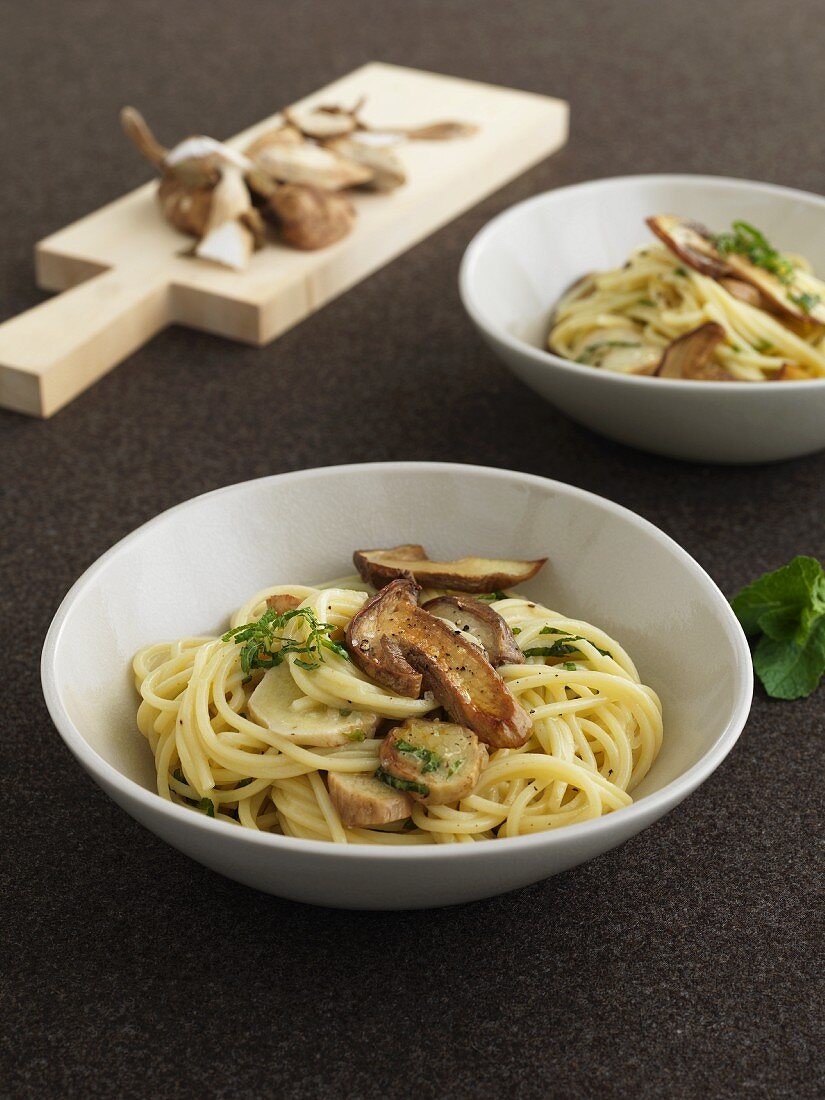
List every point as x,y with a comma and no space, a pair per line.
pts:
485,623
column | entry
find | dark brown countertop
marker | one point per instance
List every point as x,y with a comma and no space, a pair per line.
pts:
681,965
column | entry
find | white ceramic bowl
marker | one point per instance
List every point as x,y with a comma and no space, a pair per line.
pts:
519,265
186,570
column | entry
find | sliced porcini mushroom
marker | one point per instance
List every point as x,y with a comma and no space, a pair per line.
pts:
696,245
483,622
792,372
321,123
434,762
387,170
691,242
379,567
283,601
363,800
196,154
691,355
280,135
311,164
744,292
618,348
278,704
230,245
309,217
404,648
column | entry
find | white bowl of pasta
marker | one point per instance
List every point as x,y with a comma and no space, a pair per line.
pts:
738,306
631,682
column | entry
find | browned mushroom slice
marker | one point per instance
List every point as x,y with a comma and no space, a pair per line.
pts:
387,170
485,623
363,800
283,601
379,567
691,242
744,292
405,648
792,372
435,762
311,164
690,355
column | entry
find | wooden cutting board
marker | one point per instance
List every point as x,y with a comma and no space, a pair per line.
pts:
124,278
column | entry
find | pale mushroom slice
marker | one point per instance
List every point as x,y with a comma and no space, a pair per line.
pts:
321,123
618,348
283,601
402,647
697,246
744,292
278,704
362,800
387,170
280,135
691,356
482,622
311,164
230,245
379,567
434,762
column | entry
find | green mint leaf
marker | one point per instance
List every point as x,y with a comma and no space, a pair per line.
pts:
401,784
784,604
788,670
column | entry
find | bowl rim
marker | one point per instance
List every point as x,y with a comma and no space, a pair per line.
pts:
480,241
658,802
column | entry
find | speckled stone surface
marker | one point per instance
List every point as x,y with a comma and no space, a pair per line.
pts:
681,965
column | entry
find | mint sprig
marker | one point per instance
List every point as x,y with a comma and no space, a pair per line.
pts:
263,646
784,613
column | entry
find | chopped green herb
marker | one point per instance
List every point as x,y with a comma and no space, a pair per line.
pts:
430,760
401,784
763,347
517,630
806,302
570,666
646,302
244,782
409,825
345,713
490,597
784,614
206,805
746,240
264,647
680,271
588,353
570,649
178,774
356,735
454,767
735,347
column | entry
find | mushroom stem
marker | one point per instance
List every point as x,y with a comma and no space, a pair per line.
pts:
136,129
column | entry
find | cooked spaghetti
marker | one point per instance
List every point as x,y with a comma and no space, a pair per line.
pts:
624,320
594,728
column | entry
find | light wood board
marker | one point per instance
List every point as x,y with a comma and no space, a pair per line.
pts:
124,278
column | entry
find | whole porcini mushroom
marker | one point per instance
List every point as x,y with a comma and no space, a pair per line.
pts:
309,217
404,648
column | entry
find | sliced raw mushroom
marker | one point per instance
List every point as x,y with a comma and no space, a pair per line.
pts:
281,135
483,622
363,800
434,762
309,217
311,164
278,704
321,123
387,170
696,245
404,648
379,567
230,245
691,355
